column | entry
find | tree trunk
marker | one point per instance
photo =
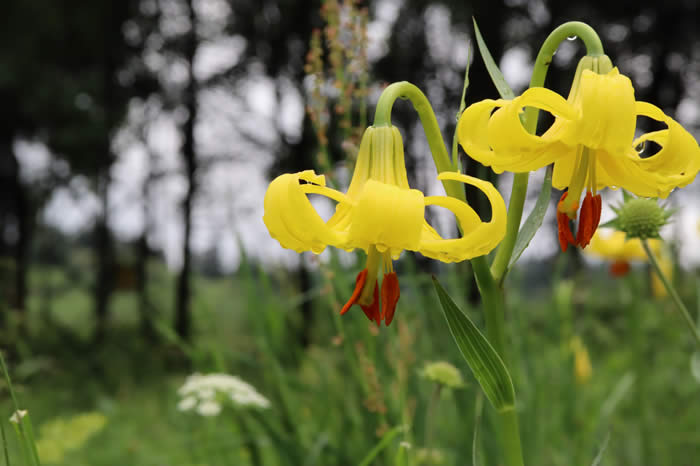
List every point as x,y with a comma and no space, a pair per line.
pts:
104,247
16,212
104,250
184,291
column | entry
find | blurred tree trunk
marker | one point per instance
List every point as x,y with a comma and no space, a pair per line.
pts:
15,203
184,291
145,308
143,251
104,243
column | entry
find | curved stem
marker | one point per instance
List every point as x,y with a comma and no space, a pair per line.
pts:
594,47
407,91
672,292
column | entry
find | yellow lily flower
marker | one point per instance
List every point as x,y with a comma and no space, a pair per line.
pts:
615,247
620,250
591,144
381,215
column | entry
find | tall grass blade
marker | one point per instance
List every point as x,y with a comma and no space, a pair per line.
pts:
496,76
379,447
599,457
4,442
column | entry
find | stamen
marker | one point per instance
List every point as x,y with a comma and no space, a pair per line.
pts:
592,180
359,285
589,219
372,311
373,258
577,183
563,227
390,296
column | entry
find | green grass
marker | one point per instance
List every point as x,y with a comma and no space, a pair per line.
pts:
333,401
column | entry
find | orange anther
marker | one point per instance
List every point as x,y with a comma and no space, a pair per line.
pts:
372,311
359,285
588,219
390,296
564,230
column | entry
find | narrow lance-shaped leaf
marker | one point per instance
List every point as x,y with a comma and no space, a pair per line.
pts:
535,219
496,76
486,365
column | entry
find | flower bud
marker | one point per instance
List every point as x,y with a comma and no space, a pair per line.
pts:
641,218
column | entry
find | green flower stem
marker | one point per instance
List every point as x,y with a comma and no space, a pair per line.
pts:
382,117
672,292
490,281
494,307
517,198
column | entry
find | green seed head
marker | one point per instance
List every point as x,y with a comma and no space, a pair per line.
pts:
444,373
641,218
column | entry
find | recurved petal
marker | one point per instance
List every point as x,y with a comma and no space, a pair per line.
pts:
625,171
472,130
292,220
479,237
516,149
679,157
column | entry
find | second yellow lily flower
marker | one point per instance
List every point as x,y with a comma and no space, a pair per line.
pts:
380,214
591,143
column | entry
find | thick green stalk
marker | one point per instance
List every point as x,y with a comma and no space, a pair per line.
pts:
672,292
517,198
382,117
494,307
490,281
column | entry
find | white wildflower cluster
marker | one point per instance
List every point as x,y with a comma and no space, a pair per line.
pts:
206,393
18,415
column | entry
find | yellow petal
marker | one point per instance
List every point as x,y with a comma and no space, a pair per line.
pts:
478,238
564,168
679,157
362,165
472,130
607,106
292,220
615,246
387,217
622,170
514,149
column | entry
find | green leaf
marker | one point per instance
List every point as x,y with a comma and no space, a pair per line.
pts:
535,219
496,76
486,365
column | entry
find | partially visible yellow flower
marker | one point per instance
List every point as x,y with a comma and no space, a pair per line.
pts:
582,362
381,215
616,248
666,265
591,143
